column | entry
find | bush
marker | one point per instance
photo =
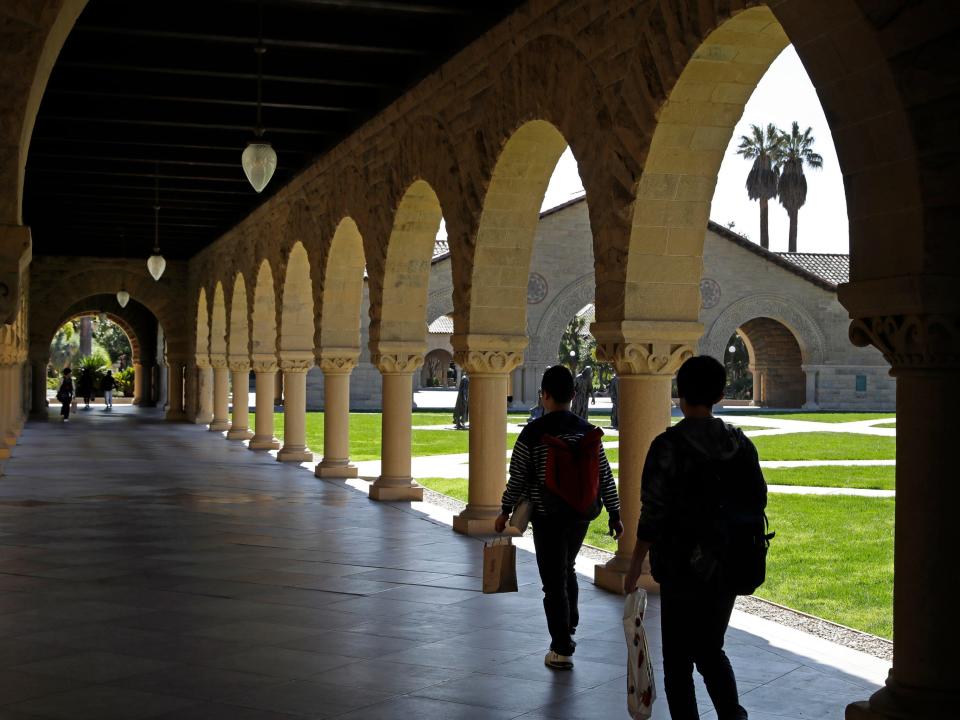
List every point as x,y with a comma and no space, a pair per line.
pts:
91,369
53,383
124,380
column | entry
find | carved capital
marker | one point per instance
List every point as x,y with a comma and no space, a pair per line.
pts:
240,366
397,363
489,362
219,363
912,342
202,362
264,365
640,358
296,365
338,362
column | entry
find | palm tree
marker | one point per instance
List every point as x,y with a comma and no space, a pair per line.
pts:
796,149
763,148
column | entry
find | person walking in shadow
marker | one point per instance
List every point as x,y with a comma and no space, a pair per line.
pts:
65,394
697,475
558,463
107,385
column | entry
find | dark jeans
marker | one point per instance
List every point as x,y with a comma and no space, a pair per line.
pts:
65,409
557,542
693,621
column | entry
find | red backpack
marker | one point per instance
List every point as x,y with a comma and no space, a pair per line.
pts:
573,471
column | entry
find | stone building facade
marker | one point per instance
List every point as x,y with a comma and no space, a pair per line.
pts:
784,306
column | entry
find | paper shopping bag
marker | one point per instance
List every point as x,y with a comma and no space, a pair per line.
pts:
499,566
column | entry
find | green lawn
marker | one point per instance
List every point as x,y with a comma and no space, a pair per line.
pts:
885,425
870,477
833,558
365,435
824,417
825,446
816,536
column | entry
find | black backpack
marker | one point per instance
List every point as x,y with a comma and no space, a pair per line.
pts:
728,536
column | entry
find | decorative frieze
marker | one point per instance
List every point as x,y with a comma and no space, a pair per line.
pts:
240,366
264,365
913,341
338,363
219,363
296,365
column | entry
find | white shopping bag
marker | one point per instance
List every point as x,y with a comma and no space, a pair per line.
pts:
640,690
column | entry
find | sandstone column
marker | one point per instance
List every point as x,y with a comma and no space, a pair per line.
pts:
145,376
397,365
8,435
923,349
240,380
204,392
295,409
489,371
38,381
221,395
137,383
336,367
175,407
810,400
646,356
263,439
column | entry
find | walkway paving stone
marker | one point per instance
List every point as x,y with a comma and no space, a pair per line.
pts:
152,570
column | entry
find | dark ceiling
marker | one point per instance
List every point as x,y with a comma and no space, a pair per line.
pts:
166,89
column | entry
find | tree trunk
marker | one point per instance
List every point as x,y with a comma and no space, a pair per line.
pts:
86,336
792,242
764,224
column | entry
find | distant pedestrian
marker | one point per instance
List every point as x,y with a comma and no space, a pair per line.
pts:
702,491
559,464
107,385
65,395
85,386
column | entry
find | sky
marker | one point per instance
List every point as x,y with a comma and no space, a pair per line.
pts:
783,95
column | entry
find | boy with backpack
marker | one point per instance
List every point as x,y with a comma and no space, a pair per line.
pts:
558,464
702,519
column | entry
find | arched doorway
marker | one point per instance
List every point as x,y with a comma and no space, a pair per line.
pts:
775,363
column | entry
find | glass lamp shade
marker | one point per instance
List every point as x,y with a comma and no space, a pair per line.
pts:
156,265
123,297
259,162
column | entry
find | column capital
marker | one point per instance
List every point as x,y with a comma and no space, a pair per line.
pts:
296,365
338,360
264,365
202,362
219,363
489,354
240,365
652,347
397,357
912,342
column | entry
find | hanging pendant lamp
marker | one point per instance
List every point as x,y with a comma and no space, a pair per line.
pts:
123,297
259,159
156,263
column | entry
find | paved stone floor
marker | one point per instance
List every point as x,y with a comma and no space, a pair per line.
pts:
151,570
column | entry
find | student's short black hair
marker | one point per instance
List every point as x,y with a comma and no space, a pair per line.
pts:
701,380
67,371
558,383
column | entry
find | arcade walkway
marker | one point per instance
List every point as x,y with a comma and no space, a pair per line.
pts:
153,570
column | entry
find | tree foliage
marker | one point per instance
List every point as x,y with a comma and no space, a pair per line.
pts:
796,150
763,148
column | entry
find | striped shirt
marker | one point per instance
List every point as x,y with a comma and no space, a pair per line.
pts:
528,464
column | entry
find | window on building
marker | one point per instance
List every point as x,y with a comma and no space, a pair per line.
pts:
861,383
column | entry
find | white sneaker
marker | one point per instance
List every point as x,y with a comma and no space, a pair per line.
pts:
556,661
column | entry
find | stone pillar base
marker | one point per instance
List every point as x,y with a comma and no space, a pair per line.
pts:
396,490
297,455
39,415
4,452
239,434
333,470
203,419
219,426
9,438
175,416
894,702
264,443
610,576
474,526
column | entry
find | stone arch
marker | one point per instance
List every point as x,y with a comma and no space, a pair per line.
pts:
508,223
660,278
341,291
810,337
263,338
436,361
202,344
776,363
85,308
545,339
218,324
296,315
406,275
238,344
